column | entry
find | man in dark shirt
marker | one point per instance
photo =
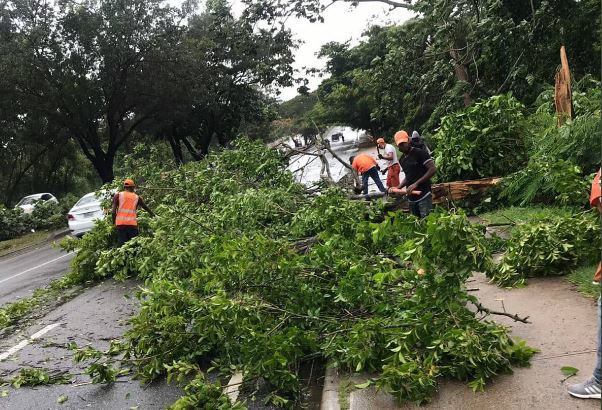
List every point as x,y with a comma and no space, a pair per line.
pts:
419,168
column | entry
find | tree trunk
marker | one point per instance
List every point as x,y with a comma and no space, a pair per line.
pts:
104,167
176,149
204,142
461,75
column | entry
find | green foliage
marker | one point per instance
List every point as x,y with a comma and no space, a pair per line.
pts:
486,139
245,270
560,182
45,215
90,247
561,160
548,247
452,53
39,377
12,223
48,215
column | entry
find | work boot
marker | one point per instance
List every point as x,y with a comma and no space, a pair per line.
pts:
589,389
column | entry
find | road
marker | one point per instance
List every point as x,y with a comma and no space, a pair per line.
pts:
20,275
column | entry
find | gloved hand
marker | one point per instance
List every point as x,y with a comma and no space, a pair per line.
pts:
380,156
384,171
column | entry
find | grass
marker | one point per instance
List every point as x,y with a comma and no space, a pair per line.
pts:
22,242
346,387
517,215
582,278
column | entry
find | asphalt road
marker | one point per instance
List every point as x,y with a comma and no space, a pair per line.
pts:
20,275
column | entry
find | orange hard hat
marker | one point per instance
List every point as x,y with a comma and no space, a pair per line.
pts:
380,141
129,182
401,136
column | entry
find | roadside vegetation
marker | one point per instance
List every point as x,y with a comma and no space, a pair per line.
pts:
46,216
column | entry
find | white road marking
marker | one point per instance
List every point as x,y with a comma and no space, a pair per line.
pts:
233,387
35,267
25,342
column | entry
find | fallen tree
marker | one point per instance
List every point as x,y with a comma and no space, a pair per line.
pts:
246,272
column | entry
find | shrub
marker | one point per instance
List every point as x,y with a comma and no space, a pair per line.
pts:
551,246
486,139
48,215
13,223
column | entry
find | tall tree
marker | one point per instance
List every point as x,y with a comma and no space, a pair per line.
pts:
89,66
226,64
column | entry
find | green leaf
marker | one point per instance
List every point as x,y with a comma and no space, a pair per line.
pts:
569,371
363,385
61,399
4,393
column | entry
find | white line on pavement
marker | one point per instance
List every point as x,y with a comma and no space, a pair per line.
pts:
25,342
35,267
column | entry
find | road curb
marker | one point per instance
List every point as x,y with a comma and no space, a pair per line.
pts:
330,392
51,237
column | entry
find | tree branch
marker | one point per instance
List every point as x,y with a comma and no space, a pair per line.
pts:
483,309
392,3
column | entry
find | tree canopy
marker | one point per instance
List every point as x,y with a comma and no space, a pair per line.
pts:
101,71
451,54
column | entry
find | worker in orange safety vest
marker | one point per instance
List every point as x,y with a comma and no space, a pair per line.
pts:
125,205
367,167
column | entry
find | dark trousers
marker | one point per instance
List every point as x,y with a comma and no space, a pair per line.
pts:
125,233
372,173
423,207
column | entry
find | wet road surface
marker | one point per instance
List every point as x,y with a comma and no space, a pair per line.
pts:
21,274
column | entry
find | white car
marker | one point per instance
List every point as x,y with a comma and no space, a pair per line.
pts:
28,203
86,212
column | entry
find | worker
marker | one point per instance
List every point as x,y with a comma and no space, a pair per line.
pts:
367,167
418,167
590,389
393,169
125,205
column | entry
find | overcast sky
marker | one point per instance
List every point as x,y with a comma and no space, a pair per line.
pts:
341,23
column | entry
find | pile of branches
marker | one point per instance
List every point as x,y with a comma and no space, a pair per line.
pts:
244,271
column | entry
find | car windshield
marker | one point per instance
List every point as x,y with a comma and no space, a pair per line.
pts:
88,199
30,200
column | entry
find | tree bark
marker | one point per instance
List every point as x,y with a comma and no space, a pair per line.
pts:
176,148
461,75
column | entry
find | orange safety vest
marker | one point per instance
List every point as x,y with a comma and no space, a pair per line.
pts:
126,211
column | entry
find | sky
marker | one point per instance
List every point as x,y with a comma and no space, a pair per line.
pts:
341,23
